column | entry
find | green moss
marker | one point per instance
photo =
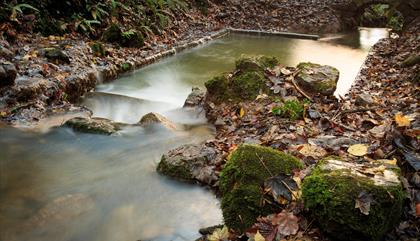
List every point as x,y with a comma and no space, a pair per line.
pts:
242,178
98,49
292,109
258,63
176,171
247,86
330,196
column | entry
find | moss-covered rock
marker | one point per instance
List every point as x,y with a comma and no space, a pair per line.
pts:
242,180
354,201
56,55
94,125
131,38
246,82
316,78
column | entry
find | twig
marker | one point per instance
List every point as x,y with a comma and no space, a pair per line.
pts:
290,189
298,88
262,162
344,112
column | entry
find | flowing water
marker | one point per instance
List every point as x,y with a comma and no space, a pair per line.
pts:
63,185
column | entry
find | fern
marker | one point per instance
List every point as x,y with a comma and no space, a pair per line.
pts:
19,9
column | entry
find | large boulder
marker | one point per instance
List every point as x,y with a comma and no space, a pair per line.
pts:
153,118
241,179
8,74
317,79
94,125
354,201
190,163
245,83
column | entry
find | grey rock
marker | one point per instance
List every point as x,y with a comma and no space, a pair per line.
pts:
364,99
195,98
190,163
317,79
153,118
94,125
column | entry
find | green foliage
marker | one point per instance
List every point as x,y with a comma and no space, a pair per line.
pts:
18,9
292,109
85,25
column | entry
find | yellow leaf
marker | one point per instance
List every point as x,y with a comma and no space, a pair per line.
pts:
242,112
402,120
259,237
219,234
358,149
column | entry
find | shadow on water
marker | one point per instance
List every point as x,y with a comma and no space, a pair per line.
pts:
63,185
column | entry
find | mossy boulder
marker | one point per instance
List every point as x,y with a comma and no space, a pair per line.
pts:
56,55
242,179
354,201
317,79
246,82
190,163
94,125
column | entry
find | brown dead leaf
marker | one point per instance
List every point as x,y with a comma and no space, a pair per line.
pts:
287,223
309,150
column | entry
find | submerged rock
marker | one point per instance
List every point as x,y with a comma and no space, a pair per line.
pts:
190,163
316,78
246,83
94,125
354,201
155,118
8,74
195,98
248,167
60,210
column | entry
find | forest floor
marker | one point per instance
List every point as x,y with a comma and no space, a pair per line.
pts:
381,111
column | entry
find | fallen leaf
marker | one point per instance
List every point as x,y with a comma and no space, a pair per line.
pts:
287,223
402,121
358,149
312,151
283,188
259,237
418,209
219,234
363,202
242,112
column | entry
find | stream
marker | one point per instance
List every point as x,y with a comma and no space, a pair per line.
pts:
63,185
